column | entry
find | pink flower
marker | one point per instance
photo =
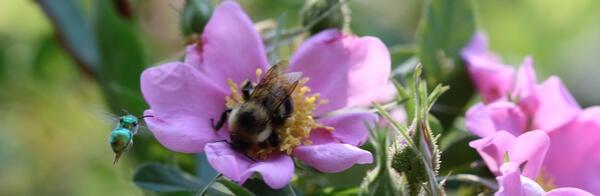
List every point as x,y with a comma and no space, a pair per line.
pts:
345,70
573,156
512,183
529,149
493,79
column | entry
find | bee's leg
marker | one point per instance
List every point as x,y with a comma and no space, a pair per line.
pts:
273,139
221,120
247,89
249,157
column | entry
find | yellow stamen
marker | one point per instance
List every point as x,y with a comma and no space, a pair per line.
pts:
545,180
297,127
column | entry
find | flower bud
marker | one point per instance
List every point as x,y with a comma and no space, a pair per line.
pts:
194,16
315,10
407,161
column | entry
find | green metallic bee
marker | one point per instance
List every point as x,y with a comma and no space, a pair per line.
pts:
121,138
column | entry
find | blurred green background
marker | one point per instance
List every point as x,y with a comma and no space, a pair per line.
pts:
53,140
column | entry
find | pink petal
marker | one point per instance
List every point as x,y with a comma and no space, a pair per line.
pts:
478,46
555,105
526,80
491,78
193,55
346,70
322,136
351,128
231,46
478,121
530,148
333,157
277,170
568,192
182,100
530,187
493,148
573,159
227,161
497,116
508,117
510,180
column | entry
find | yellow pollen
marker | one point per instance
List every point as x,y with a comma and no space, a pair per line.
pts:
297,127
545,180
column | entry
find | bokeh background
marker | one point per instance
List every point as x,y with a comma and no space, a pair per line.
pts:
54,140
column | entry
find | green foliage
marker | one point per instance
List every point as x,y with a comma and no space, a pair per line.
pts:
121,58
194,16
338,16
235,188
258,187
415,155
74,31
445,29
382,180
160,178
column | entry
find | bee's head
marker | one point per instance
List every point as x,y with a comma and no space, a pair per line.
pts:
129,122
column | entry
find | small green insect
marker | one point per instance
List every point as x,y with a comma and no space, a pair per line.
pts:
121,138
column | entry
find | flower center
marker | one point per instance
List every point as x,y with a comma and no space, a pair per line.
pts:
545,180
297,127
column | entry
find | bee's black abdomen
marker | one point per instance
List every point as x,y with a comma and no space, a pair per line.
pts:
239,145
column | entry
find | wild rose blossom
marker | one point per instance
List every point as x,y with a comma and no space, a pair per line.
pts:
345,70
573,157
511,183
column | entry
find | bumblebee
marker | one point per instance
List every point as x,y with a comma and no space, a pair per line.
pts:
265,109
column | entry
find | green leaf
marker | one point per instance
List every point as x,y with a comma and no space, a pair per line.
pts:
121,58
160,178
203,168
74,31
235,188
259,187
445,29
400,54
458,157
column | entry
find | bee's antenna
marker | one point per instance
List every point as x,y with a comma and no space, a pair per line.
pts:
146,116
249,157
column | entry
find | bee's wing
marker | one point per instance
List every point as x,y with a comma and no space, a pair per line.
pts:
103,116
276,86
143,128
